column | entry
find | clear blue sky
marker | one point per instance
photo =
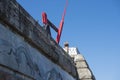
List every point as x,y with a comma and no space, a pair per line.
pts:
91,25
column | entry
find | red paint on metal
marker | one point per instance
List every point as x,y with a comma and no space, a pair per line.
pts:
59,31
61,24
44,18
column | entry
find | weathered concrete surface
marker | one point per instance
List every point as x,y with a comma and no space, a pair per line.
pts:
83,69
26,51
18,56
84,72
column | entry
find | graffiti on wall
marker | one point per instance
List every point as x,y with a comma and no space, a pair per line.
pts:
20,56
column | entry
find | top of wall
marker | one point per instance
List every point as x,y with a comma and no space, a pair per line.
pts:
20,22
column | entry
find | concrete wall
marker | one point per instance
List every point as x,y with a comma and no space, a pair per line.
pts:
27,52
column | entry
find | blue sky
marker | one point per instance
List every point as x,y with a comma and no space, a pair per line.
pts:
91,25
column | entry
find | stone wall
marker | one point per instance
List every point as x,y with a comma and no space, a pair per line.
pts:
27,52
83,69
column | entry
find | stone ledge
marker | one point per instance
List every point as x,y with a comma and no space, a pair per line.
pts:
83,69
20,22
81,64
84,73
9,74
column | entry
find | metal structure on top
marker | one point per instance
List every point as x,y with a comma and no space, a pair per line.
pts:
47,24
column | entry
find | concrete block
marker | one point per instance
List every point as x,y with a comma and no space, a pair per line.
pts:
84,73
79,57
81,64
